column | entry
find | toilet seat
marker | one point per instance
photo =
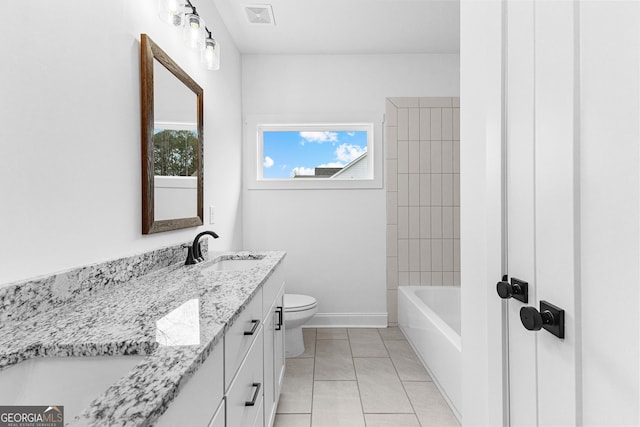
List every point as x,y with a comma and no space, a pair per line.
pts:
296,302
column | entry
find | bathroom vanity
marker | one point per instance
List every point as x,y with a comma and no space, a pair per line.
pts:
241,380
206,340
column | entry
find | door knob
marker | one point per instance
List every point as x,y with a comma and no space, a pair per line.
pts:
533,320
517,289
549,317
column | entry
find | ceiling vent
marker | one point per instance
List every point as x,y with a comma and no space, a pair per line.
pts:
260,14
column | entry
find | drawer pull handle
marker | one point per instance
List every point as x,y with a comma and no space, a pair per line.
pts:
252,402
256,323
279,325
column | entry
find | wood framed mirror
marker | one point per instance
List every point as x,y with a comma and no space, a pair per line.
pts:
172,143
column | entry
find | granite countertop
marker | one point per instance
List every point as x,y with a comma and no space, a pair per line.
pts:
137,319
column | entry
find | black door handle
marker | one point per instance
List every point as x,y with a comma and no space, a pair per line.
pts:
549,317
252,402
279,311
517,289
256,323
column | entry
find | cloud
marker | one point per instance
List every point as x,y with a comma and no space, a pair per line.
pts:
301,170
348,152
319,137
332,165
268,162
351,133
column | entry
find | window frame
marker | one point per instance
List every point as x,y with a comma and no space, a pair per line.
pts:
254,150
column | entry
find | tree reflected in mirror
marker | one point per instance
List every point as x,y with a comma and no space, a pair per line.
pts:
175,152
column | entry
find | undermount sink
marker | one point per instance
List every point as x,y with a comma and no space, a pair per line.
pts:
233,265
72,382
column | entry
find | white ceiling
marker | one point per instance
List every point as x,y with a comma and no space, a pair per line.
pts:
346,26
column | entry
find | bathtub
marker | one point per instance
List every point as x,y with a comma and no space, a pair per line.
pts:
429,316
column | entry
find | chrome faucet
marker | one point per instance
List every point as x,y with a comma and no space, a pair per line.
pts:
194,252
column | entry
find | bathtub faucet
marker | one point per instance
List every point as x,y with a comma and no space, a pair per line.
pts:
194,252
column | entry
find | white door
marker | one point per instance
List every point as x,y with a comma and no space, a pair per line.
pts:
540,187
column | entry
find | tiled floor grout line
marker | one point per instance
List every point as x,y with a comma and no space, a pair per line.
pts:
403,386
372,357
353,363
410,402
388,345
313,377
400,379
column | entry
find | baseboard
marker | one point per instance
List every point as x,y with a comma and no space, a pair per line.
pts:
348,320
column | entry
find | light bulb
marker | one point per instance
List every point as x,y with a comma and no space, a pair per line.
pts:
211,54
193,32
171,12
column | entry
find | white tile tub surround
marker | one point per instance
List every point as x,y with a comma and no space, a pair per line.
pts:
422,148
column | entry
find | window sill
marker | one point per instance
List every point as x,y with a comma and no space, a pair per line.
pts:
315,184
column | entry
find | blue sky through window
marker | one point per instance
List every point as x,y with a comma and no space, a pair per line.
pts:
289,153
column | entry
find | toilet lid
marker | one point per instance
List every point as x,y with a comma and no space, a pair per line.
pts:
296,302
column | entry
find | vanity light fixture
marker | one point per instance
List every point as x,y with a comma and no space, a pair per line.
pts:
195,33
172,12
193,30
211,54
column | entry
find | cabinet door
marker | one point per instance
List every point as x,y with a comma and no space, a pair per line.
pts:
270,324
198,399
219,418
273,357
271,288
259,421
278,350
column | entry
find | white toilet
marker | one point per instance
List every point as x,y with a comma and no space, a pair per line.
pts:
298,309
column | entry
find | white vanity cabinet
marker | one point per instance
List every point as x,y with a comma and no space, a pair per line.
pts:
200,402
273,345
219,419
239,384
268,352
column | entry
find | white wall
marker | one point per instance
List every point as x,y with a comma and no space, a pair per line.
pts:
70,134
335,239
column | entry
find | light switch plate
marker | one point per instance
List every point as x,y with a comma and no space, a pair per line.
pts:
212,210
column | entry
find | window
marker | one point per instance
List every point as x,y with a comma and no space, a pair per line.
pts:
315,151
280,154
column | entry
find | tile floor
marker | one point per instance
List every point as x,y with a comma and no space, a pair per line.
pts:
359,378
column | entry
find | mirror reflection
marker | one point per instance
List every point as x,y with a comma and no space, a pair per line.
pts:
172,143
175,146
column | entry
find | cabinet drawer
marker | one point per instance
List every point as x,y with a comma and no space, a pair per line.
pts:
219,418
244,398
198,399
240,335
270,289
259,421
